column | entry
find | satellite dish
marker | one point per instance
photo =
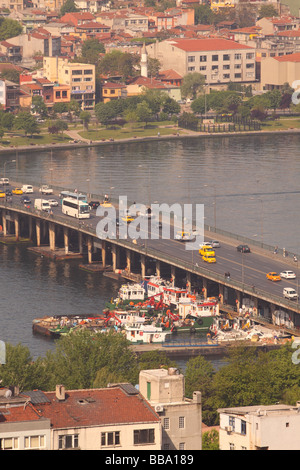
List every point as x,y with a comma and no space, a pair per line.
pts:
8,394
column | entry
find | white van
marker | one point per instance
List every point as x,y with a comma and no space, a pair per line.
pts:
42,205
4,181
290,293
27,188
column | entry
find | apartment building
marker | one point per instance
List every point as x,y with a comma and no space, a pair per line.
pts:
115,418
275,71
181,418
220,60
273,427
79,77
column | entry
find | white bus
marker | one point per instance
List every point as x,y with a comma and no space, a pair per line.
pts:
75,208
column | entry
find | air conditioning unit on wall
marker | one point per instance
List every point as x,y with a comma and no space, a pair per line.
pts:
159,408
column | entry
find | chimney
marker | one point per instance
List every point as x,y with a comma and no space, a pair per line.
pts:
60,392
197,397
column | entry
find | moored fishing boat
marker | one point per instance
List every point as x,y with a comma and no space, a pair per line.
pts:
146,334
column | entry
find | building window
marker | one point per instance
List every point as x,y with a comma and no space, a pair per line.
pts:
65,94
215,67
226,57
237,56
237,75
226,67
215,58
231,446
68,441
191,69
76,72
237,66
191,58
9,443
181,422
166,424
143,436
203,58
249,66
226,76
202,67
232,422
88,72
250,56
110,438
57,94
181,446
34,442
243,427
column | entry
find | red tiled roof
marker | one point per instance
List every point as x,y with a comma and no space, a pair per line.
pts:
289,57
193,45
95,408
290,34
113,85
18,413
169,75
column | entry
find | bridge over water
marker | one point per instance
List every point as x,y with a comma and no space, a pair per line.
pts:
60,236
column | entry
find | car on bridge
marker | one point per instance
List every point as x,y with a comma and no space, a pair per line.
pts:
184,236
94,204
2,194
272,276
288,274
17,191
243,248
207,249
45,189
215,243
25,200
53,202
209,257
290,293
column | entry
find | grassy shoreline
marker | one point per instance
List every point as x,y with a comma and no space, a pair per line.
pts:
95,135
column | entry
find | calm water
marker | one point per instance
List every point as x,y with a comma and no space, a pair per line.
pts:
254,182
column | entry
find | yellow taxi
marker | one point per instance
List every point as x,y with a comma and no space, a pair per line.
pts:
2,194
206,249
17,191
209,258
127,219
273,276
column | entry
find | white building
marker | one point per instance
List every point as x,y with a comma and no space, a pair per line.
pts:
181,418
274,427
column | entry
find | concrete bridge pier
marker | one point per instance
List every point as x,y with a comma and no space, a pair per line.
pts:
204,288
51,229
189,281
173,275
157,268
115,251
103,253
221,293
143,266
128,260
4,224
90,249
38,231
66,240
17,225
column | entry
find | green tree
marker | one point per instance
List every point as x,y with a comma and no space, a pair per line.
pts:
60,108
210,440
118,63
104,113
18,370
39,105
267,11
200,105
204,15
27,122
192,84
68,7
9,28
7,120
144,112
80,356
11,74
85,116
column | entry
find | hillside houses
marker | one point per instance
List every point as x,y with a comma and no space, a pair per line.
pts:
222,53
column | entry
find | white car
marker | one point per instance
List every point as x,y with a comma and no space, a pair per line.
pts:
46,190
53,202
288,275
215,244
290,293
